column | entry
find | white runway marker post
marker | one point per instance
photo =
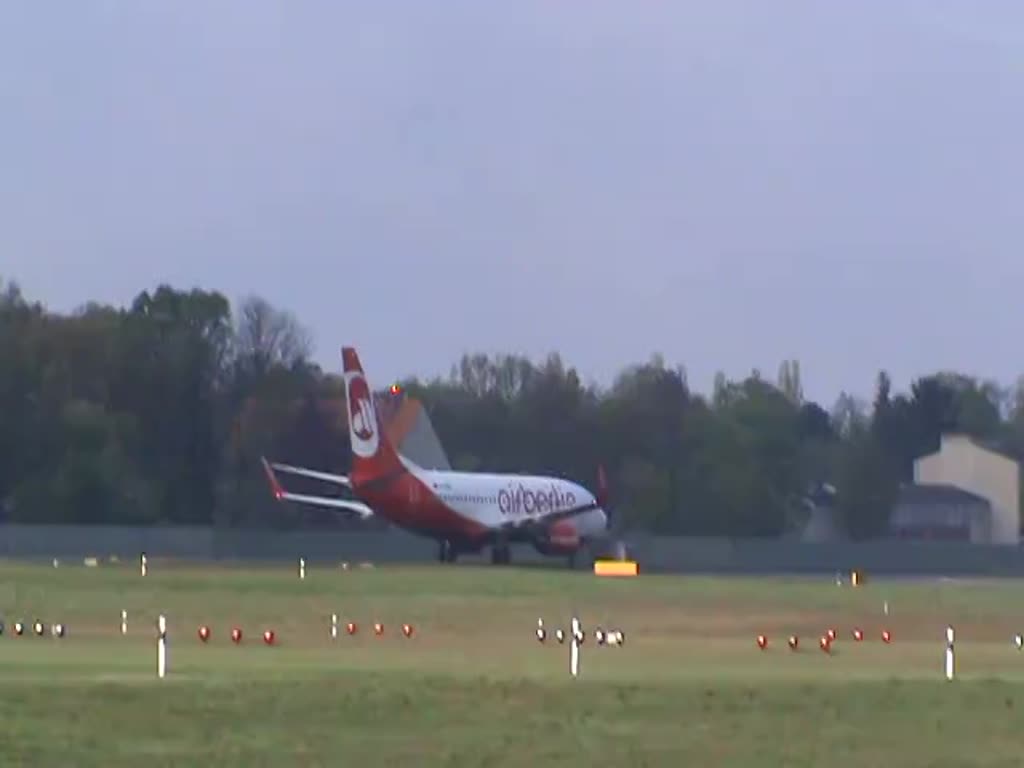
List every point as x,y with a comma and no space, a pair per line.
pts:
161,647
334,626
302,567
142,563
124,622
574,648
949,653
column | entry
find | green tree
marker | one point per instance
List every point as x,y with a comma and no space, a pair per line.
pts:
160,412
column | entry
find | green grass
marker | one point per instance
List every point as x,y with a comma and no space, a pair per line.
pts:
473,687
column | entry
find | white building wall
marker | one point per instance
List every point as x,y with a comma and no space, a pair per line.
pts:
963,463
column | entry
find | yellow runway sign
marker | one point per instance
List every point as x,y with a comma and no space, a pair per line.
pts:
616,568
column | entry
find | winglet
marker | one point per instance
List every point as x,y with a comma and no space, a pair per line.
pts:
275,486
602,486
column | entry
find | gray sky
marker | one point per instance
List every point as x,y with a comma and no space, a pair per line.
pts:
728,183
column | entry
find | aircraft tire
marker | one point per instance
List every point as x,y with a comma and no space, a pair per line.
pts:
501,554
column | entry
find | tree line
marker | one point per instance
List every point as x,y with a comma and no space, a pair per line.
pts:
158,412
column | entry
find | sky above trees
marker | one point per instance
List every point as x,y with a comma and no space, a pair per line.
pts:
728,184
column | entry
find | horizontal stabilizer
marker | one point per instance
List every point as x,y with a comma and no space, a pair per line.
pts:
316,475
320,501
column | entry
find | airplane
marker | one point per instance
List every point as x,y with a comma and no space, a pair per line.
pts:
464,512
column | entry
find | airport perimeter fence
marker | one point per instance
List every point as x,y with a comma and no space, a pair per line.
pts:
664,554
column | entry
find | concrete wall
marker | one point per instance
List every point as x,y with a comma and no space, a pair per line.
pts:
892,557
961,462
654,554
47,542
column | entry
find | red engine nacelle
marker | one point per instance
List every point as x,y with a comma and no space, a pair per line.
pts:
562,539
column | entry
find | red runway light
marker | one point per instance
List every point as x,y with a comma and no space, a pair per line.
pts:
378,628
825,643
794,642
407,630
236,635
351,628
268,637
831,635
204,633
886,637
858,635
762,642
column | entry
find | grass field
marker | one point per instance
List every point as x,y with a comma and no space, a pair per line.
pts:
473,686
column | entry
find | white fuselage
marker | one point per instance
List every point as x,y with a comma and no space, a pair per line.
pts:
493,500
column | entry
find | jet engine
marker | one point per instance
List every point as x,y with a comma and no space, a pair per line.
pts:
562,539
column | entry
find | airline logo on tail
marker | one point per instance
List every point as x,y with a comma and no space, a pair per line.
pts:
362,418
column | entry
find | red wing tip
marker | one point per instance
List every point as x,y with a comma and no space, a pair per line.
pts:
275,487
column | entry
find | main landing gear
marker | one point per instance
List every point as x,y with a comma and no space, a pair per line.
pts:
447,552
501,554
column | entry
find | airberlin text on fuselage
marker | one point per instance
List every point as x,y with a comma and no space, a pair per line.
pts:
520,500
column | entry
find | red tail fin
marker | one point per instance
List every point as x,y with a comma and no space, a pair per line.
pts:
372,453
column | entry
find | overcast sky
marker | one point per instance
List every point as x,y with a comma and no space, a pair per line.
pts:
727,183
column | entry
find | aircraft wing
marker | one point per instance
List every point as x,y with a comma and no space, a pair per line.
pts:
321,501
541,523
